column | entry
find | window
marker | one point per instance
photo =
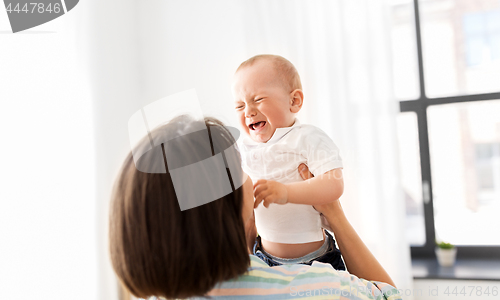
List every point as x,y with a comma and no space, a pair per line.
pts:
482,37
409,162
446,58
464,168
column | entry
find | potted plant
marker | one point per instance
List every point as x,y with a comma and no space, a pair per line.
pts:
446,254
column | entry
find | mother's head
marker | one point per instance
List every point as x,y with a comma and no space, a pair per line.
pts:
157,249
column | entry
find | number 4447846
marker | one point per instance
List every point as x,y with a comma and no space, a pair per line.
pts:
34,8
472,290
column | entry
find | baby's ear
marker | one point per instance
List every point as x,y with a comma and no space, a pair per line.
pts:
297,98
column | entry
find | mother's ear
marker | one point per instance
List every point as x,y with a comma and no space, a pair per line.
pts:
297,98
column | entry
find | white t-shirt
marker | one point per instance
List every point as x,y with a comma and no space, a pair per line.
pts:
278,159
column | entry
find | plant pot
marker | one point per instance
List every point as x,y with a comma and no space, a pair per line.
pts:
446,257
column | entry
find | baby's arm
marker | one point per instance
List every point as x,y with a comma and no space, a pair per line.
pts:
316,191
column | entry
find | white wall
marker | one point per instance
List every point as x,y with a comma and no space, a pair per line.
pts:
191,44
47,204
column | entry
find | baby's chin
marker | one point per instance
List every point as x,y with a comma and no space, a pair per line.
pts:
260,138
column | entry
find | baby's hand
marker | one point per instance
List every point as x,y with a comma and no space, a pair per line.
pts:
269,192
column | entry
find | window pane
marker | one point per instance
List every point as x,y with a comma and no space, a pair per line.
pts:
404,50
409,155
461,46
465,162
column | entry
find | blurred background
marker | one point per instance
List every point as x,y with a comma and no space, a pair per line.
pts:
408,90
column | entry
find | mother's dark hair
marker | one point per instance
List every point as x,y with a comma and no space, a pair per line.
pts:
157,249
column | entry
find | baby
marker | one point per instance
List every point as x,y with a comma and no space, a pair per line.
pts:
268,93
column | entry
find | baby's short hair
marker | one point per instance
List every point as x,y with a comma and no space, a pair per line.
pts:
284,68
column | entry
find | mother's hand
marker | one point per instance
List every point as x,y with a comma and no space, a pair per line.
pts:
358,259
322,208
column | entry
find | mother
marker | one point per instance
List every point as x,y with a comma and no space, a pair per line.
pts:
159,250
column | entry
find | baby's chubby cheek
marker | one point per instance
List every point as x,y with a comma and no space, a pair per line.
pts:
244,128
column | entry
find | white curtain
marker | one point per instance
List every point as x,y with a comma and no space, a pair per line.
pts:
141,51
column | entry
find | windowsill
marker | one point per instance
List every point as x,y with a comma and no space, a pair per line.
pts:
464,269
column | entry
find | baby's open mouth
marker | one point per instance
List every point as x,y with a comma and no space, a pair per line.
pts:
257,125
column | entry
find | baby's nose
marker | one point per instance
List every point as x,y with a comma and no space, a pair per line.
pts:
250,112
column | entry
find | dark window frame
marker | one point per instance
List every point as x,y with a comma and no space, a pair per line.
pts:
419,106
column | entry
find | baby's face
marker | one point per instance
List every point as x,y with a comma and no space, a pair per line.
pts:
261,101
